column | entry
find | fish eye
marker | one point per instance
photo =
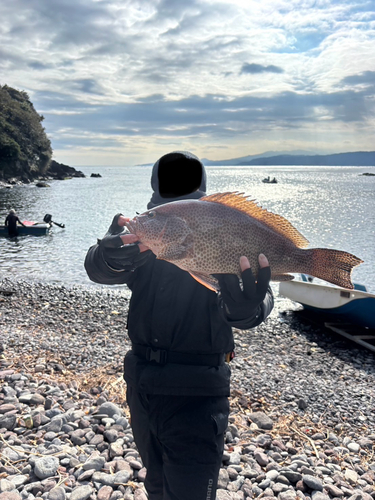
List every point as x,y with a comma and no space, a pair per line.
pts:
151,215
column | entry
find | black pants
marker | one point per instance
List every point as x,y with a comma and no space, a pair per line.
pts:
181,441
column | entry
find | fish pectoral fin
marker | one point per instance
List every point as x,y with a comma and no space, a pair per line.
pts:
282,277
206,280
184,250
175,253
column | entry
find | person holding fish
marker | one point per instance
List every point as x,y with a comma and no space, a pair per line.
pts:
196,267
180,325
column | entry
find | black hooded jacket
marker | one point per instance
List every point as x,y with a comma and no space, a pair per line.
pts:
171,311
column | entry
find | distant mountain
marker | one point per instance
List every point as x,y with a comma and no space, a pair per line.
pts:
240,161
355,159
298,157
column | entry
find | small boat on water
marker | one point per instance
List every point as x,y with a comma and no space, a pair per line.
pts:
268,180
30,228
33,228
354,306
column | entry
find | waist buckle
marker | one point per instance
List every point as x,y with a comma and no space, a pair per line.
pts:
158,355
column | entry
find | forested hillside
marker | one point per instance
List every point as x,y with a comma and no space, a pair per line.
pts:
25,150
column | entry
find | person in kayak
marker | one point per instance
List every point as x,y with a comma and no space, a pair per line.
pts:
11,223
177,372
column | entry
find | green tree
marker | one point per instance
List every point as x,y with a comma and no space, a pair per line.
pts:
25,149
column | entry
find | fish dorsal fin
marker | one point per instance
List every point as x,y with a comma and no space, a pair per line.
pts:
275,222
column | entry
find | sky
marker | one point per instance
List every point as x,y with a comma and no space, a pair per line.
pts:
122,82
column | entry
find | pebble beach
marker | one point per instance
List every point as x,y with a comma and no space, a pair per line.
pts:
302,422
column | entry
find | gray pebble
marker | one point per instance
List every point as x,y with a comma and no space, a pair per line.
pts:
292,476
96,463
287,495
262,420
6,485
11,495
261,458
279,487
312,482
46,467
318,495
103,478
333,490
264,484
32,399
57,493
123,422
8,422
354,447
19,480
109,409
234,458
81,492
122,477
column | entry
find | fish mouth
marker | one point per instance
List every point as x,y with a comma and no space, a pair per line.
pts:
131,225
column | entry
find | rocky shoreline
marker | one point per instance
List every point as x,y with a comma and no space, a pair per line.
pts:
56,171
302,420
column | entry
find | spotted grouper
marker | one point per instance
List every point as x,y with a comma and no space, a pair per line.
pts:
208,236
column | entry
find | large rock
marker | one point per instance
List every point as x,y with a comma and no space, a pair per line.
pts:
60,171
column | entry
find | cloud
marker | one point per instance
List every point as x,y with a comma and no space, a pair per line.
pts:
365,78
212,116
39,66
88,85
254,69
114,70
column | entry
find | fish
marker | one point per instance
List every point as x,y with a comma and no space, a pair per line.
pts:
207,237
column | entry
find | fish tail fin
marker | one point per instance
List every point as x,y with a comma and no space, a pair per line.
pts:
334,266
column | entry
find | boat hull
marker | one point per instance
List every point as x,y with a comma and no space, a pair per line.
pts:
355,306
36,230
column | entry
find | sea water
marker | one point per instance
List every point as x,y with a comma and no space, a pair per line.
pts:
333,207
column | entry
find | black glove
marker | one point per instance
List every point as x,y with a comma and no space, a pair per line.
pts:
117,256
242,303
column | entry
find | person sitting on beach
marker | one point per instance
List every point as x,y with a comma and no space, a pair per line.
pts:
11,223
177,371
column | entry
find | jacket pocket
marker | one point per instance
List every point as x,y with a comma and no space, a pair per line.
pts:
220,423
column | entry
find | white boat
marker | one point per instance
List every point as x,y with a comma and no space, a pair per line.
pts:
355,306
